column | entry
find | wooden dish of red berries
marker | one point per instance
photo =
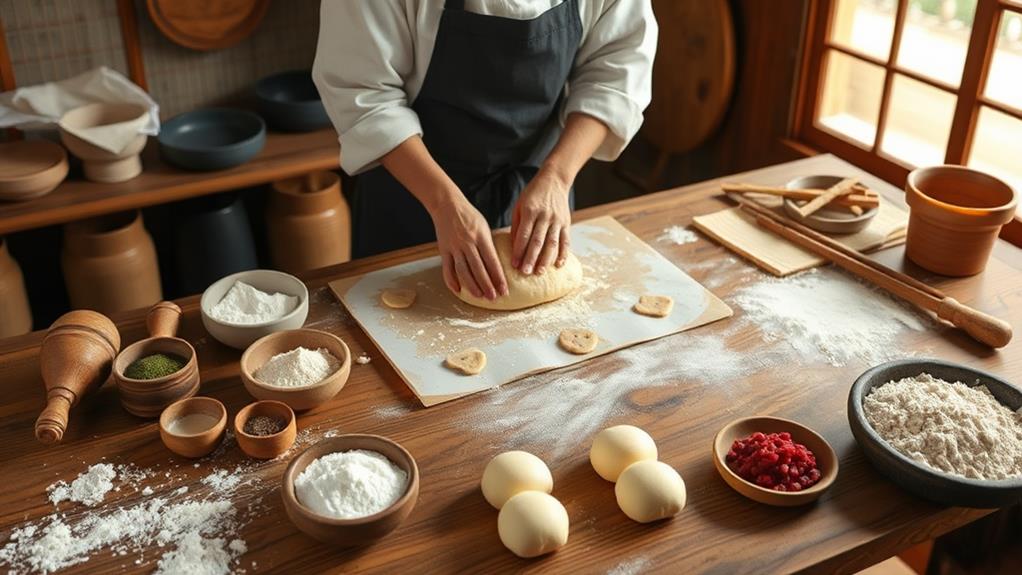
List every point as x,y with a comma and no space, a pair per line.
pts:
774,461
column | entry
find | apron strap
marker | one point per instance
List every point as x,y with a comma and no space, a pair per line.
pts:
454,5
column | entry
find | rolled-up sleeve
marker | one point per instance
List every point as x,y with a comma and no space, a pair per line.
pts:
364,55
613,75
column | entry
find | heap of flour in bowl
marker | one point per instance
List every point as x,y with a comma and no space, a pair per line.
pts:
245,305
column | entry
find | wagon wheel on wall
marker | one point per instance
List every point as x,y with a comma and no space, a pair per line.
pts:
693,78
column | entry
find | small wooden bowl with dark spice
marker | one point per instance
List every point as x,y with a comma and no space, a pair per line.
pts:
265,429
155,372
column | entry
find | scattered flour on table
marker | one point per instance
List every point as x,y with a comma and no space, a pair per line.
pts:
363,358
678,235
299,367
950,427
631,567
244,304
89,488
828,314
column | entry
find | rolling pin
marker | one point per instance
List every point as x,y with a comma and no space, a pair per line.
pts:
76,357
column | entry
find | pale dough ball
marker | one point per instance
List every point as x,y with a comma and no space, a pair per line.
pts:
527,290
654,305
469,362
532,523
398,298
650,490
615,448
578,341
513,472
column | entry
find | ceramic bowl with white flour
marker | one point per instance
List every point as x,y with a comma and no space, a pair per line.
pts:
398,465
300,367
949,442
243,307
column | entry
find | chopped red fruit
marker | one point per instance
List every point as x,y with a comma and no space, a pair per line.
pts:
773,461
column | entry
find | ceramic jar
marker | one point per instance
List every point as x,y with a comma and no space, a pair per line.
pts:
309,223
955,216
212,239
15,315
110,264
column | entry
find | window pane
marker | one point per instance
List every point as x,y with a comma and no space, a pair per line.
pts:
850,103
936,38
865,25
918,122
995,146
1004,81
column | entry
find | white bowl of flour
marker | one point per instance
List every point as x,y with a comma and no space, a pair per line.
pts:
243,307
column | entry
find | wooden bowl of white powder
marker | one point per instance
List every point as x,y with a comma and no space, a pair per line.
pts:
300,367
943,431
243,307
351,489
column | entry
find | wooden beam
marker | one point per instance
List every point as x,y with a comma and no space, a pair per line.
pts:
7,82
892,57
132,44
977,62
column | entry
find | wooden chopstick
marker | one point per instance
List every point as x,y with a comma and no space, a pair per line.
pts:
842,188
860,198
982,327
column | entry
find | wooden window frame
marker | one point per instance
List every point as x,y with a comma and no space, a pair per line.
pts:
969,93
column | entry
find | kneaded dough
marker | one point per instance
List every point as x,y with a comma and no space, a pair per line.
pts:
615,448
513,472
650,490
398,298
654,305
527,290
578,341
469,362
532,523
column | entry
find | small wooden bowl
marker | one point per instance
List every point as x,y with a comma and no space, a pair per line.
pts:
826,459
30,168
298,398
265,446
196,444
350,532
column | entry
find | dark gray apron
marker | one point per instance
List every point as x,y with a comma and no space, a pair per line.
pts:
488,108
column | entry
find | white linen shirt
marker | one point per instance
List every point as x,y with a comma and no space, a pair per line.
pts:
373,55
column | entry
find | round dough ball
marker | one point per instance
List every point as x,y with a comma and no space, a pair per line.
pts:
615,448
513,472
533,523
650,490
527,290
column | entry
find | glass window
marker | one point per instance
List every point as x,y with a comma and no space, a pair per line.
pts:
850,103
918,122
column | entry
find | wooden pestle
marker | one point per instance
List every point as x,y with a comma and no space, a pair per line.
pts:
76,357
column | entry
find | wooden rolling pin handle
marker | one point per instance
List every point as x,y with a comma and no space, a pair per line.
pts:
50,426
163,319
986,328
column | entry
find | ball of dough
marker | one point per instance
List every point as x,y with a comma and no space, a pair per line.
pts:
533,523
650,490
512,472
615,448
527,290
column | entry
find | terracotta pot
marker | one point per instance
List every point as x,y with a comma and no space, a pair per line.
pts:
955,216
309,223
110,264
101,165
15,315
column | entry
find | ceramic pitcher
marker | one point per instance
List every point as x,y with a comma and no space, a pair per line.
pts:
110,264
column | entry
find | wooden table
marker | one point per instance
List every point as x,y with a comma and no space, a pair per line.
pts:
861,520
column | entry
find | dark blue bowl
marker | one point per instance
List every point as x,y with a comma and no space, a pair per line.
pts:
916,477
212,139
290,102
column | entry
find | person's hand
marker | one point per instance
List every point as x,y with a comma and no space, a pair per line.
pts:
540,224
466,248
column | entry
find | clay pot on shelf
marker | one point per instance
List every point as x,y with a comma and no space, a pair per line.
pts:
99,164
15,315
955,216
211,240
110,264
309,223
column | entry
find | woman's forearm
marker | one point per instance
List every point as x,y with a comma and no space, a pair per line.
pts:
412,165
582,135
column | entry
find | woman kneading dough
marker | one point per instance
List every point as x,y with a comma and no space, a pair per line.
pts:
462,116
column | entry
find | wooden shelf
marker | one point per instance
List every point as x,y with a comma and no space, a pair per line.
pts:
285,155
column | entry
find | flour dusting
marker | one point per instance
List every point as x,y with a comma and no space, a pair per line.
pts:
678,236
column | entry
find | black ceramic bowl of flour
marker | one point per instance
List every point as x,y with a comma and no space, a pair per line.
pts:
917,477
